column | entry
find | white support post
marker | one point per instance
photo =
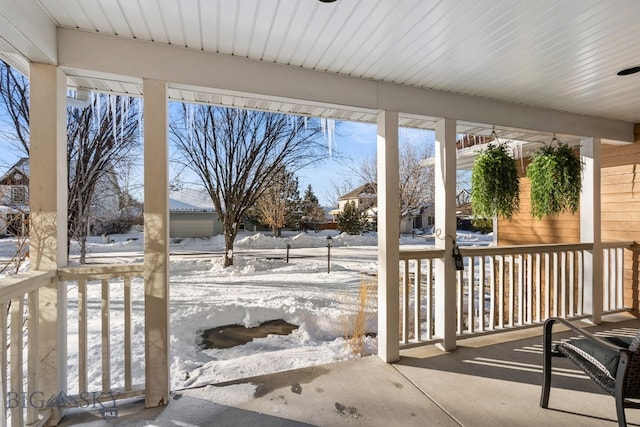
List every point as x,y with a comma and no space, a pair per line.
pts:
445,218
590,227
388,237
48,219
156,242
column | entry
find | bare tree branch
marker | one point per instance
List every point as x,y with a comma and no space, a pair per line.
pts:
238,154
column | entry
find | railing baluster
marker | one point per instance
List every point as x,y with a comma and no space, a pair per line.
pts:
127,334
106,341
563,283
538,287
459,302
4,312
556,290
620,284
82,336
613,279
472,295
17,314
572,266
512,283
405,302
429,290
481,292
606,305
547,285
529,314
493,290
521,272
580,261
33,338
501,291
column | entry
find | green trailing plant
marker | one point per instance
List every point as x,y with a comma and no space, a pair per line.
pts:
495,184
555,173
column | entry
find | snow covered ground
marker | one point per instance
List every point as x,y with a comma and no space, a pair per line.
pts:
260,286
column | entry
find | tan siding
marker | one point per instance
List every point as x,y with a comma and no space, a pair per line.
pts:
621,208
524,229
620,192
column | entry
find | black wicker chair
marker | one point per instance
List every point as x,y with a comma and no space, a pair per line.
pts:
612,362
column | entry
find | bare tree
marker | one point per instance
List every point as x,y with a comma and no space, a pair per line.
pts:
339,189
100,136
416,180
14,94
279,203
238,154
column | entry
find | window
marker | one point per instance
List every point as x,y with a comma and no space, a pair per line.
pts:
18,194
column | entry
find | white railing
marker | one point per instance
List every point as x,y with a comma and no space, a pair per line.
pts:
107,293
613,275
417,284
506,287
19,358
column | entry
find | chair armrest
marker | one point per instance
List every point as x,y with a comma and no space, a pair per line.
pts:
548,325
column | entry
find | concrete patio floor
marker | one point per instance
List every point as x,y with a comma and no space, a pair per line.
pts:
493,380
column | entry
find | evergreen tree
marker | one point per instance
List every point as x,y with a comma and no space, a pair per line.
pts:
310,208
352,220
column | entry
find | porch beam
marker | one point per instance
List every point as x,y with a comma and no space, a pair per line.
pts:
445,225
388,237
590,227
156,243
48,219
79,51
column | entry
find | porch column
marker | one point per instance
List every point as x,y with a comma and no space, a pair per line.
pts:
156,243
388,237
48,218
445,224
590,227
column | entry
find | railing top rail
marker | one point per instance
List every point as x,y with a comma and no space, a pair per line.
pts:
407,254
523,249
22,283
627,244
99,271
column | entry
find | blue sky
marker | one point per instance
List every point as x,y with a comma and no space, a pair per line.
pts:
352,143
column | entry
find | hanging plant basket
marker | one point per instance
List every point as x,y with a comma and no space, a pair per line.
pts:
495,184
555,173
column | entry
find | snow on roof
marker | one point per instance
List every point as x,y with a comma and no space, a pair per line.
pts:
21,166
366,190
190,200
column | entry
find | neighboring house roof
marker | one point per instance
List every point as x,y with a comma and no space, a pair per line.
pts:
18,174
369,189
190,200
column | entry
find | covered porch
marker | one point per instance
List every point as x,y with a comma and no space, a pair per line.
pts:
432,302
489,380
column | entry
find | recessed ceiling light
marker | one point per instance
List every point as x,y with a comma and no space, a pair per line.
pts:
326,1
630,70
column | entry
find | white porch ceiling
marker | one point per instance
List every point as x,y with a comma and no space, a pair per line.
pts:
549,54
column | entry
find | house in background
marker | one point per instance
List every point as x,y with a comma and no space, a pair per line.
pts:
365,198
14,200
191,214
105,211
